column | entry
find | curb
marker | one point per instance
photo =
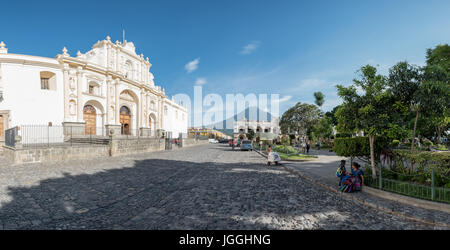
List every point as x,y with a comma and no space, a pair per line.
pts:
425,204
361,201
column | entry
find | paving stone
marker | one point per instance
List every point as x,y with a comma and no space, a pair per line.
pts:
200,187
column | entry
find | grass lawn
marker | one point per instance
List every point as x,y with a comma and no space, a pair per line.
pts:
295,157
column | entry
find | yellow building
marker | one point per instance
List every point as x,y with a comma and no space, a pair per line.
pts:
206,132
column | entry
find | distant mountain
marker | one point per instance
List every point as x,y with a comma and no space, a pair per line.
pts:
240,116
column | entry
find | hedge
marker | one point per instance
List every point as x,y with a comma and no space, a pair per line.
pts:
358,146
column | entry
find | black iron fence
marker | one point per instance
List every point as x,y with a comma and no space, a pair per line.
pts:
46,136
10,136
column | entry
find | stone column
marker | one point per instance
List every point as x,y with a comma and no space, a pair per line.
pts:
161,108
66,92
147,101
117,107
108,99
79,94
141,109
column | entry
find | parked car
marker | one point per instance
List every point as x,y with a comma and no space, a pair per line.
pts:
213,141
223,141
247,145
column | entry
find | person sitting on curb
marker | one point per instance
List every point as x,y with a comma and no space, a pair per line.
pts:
272,157
357,176
341,172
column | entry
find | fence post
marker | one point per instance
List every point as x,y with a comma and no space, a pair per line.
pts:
381,174
48,136
71,136
432,184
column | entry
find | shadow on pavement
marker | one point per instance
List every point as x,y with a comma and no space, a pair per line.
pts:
169,194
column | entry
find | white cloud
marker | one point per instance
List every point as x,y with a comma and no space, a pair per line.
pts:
284,99
249,48
200,81
192,65
311,83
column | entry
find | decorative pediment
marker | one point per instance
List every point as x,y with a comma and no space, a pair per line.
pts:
118,57
126,96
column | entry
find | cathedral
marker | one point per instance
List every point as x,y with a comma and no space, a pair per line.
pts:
107,90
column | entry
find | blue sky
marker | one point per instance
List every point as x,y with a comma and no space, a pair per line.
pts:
292,48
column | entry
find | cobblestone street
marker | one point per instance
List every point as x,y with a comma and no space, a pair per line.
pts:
201,187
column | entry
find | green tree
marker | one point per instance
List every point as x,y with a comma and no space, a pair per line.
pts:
319,98
332,115
371,104
435,105
250,134
323,129
436,89
301,118
405,82
439,57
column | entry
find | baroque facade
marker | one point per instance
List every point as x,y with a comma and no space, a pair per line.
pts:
108,89
242,127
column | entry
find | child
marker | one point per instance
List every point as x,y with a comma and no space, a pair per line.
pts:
341,172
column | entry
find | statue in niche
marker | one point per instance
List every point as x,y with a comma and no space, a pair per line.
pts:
72,107
72,82
111,114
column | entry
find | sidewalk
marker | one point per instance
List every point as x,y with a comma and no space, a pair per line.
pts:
323,171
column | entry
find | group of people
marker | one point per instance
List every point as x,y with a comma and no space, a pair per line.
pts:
305,146
350,181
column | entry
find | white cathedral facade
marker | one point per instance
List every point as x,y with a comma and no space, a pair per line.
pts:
107,90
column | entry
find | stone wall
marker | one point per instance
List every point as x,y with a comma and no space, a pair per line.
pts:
135,146
117,146
55,154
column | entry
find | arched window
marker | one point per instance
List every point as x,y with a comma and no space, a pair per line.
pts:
48,80
125,110
165,110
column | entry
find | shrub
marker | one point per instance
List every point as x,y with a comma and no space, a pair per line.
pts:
441,147
439,161
285,149
395,143
359,146
285,140
343,135
427,142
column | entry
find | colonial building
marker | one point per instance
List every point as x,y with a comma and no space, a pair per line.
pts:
242,127
108,89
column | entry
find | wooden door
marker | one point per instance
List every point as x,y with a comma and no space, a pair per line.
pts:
125,120
90,118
